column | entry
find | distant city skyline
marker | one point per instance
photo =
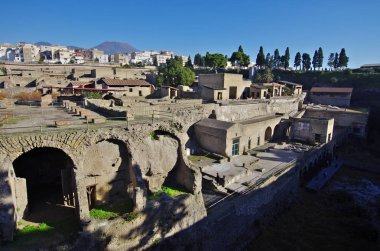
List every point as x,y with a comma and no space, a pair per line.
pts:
200,26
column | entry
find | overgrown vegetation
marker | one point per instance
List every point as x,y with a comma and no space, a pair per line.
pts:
153,135
28,96
170,191
92,95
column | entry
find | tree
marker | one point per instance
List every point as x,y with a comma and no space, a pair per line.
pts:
276,58
343,59
198,60
260,59
174,73
155,62
306,61
336,61
268,61
297,60
315,60
330,61
189,64
240,58
263,76
320,57
215,60
287,58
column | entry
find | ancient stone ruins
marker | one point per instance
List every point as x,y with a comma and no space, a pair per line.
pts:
237,152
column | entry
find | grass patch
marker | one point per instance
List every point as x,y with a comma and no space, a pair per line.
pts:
170,191
108,211
100,214
32,229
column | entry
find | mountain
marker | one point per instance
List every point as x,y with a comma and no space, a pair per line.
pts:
43,43
115,47
73,47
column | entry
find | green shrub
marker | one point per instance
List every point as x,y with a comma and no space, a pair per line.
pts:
131,216
93,95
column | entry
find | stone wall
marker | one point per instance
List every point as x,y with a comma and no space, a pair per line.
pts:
94,154
232,224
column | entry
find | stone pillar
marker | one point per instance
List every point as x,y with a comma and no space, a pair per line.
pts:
139,199
81,200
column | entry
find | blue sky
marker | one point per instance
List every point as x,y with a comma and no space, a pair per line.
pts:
192,26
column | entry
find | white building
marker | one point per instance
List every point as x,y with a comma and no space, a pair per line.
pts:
161,59
101,59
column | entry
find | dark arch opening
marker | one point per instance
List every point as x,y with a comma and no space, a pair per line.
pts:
268,134
45,187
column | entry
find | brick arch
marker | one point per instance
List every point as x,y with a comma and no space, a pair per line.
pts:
49,144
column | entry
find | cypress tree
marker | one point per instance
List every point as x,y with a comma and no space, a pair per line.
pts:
277,58
287,58
297,60
343,59
336,61
315,59
320,57
330,61
260,59
306,61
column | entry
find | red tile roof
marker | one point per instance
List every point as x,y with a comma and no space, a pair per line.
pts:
127,82
331,89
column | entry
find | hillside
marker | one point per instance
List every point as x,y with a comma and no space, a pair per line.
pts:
115,47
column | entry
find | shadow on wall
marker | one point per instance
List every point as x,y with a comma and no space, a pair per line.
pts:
181,176
109,172
7,209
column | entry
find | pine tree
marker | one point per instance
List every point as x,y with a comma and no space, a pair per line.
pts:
287,58
306,61
331,60
297,60
343,59
240,49
315,60
277,58
260,59
320,57
336,61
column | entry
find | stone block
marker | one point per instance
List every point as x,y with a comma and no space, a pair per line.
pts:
62,123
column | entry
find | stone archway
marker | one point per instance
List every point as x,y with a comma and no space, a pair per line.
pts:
45,187
268,134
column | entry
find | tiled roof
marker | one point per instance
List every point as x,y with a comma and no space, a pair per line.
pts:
331,89
127,82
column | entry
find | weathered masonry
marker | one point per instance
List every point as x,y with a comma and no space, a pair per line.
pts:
78,169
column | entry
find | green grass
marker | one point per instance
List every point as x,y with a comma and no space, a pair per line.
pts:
108,211
170,191
100,214
32,229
